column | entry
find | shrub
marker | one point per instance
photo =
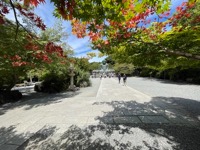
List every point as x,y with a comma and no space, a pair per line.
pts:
145,72
9,96
52,84
82,78
196,80
38,87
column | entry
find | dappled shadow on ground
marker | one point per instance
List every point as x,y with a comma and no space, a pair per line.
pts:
180,106
32,99
35,99
41,140
9,138
172,109
6,133
175,119
114,137
74,138
44,99
185,137
98,137
156,125
179,110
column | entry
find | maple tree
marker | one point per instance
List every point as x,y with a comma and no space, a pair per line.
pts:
132,28
138,28
151,40
20,55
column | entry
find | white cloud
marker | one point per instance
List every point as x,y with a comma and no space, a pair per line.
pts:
81,46
77,43
45,11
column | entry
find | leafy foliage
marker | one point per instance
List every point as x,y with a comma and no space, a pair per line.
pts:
110,60
54,82
15,58
18,56
137,25
130,31
82,75
124,68
94,66
82,63
82,78
161,49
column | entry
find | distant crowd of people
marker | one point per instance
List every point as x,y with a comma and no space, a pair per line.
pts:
119,76
109,75
103,75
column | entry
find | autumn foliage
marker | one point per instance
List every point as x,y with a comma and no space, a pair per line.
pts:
131,17
23,10
110,23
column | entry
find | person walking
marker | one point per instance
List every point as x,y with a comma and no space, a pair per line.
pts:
119,77
124,79
101,76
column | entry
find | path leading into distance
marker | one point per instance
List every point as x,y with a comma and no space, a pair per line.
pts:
145,114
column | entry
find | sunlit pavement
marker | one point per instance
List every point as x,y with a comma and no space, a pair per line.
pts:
106,116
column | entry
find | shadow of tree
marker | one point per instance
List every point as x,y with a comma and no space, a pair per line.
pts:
191,106
40,140
10,139
176,119
187,111
44,99
125,128
93,137
9,132
113,137
77,138
35,99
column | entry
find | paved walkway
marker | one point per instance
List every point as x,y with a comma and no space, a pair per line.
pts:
105,116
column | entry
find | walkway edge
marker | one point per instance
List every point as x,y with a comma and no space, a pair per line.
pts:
100,88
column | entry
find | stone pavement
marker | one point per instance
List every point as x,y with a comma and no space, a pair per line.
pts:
106,116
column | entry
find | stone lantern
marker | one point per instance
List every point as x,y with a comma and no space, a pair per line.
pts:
71,74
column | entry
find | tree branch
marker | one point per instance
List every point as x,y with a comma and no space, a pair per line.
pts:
171,52
179,53
15,14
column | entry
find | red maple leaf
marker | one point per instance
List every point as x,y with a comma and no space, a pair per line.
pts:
5,10
36,2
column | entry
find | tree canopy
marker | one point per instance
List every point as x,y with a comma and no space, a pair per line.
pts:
143,32
19,56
